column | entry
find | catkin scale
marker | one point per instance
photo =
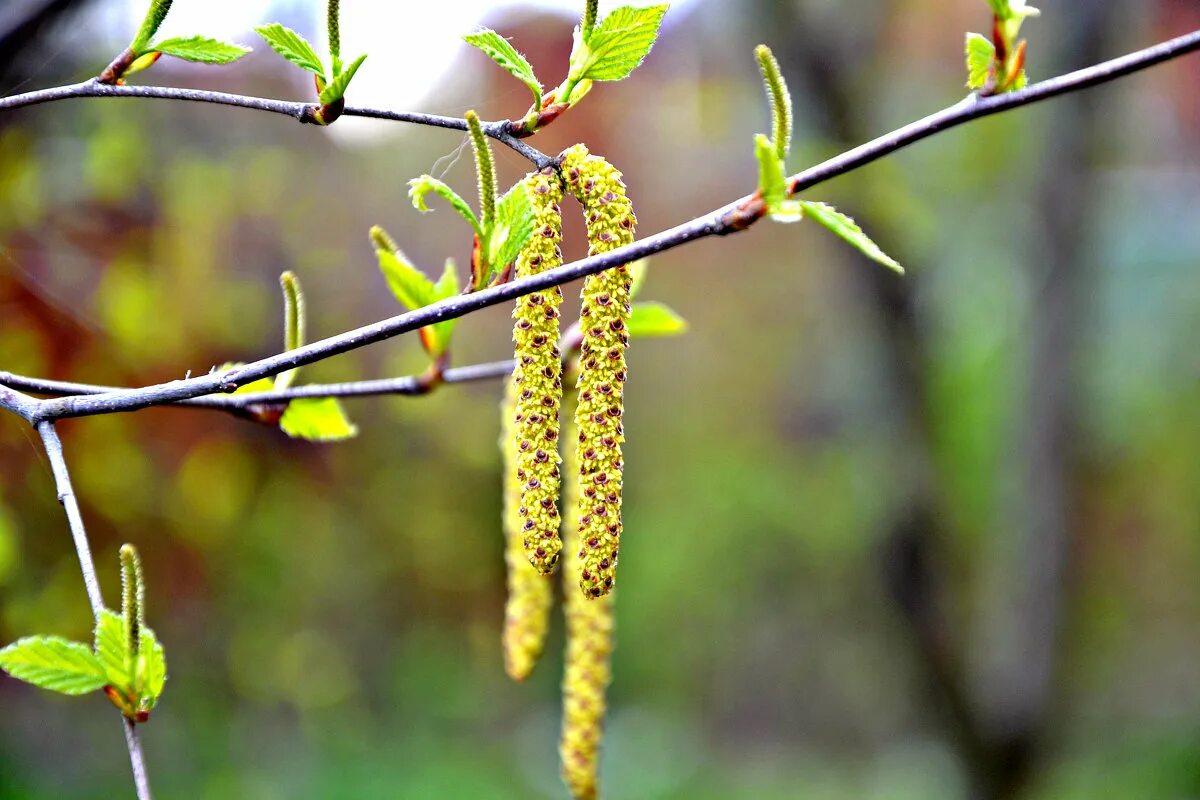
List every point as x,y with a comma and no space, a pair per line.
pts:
604,320
587,668
530,594
537,378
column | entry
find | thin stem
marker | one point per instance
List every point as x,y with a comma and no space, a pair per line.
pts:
731,218
66,496
19,404
298,111
137,761
408,385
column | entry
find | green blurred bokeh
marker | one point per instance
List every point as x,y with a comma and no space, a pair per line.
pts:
332,613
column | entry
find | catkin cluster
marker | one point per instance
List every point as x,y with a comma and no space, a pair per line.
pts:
537,378
603,319
530,594
587,669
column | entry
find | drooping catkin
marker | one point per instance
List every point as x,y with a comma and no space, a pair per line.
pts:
530,594
538,378
587,670
603,319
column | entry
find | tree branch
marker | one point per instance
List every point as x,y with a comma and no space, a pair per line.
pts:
66,496
301,112
407,385
731,218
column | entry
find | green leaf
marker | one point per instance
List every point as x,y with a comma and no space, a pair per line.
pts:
410,286
336,89
980,54
112,650
442,332
292,46
53,663
637,275
655,319
503,53
151,671
619,43
201,49
150,25
772,182
513,227
422,186
848,229
317,419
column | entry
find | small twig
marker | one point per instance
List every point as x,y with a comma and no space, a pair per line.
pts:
407,385
66,496
299,111
19,404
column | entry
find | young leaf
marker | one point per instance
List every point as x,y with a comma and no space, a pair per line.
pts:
503,53
847,229
420,187
292,46
781,99
620,43
655,319
336,89
150,25
513,227
200,49
772,182
111,651
637,276
317,419
980,54
293,323
151,671
53,663
410,286
438,335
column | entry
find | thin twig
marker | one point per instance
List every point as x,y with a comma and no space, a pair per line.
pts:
19,404
66,496
731,218
407,385
298,111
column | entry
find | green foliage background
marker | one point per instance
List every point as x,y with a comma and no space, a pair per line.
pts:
332,613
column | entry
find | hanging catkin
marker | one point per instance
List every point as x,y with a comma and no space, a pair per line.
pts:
530,594
538,378
587,670
603,319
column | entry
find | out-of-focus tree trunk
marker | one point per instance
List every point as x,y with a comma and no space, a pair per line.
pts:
999,734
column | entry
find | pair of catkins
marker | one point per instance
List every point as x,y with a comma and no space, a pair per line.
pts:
590,542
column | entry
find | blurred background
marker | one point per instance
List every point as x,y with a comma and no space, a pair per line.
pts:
886,539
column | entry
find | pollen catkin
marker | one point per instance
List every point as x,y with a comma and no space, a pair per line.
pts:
588,667
603,319
537,378
530,594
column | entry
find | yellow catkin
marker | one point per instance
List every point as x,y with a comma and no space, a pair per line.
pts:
538,378
588,667
603,319
530,594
